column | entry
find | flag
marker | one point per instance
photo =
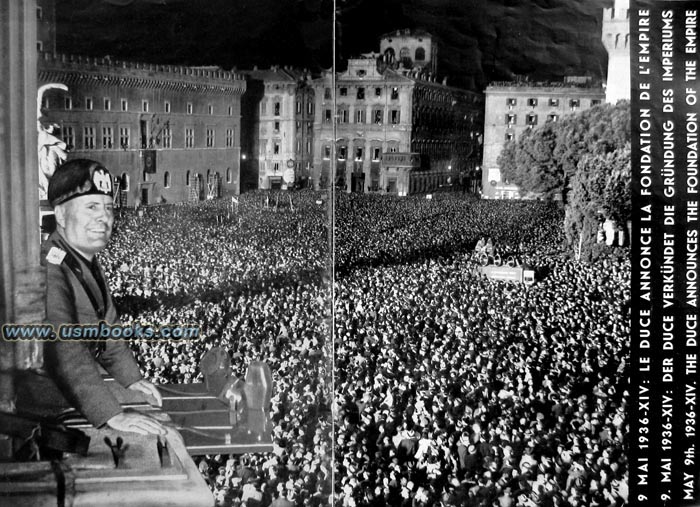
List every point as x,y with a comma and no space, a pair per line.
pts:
149,161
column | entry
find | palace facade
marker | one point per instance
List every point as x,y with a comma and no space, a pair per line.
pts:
383,109
169,133
514,107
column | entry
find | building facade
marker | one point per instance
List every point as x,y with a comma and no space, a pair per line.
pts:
513,107
279,146
169,133
616,38
380,110
411,49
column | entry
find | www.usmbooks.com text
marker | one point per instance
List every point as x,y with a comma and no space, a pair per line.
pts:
97,332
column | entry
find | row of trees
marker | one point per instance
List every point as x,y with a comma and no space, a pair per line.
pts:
584,157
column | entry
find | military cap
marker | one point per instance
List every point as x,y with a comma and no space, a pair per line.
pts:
79,177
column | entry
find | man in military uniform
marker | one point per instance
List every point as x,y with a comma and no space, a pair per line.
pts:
81,194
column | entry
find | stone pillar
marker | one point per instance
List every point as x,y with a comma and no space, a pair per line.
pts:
22,283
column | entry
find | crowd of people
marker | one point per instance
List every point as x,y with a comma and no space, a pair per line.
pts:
439,386
455,389
252,276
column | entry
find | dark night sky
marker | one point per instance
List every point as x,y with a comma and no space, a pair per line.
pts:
480,40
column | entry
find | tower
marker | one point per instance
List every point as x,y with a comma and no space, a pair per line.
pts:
616,39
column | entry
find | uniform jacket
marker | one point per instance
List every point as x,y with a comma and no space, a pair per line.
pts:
73,365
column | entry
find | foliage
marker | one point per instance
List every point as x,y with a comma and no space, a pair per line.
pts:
600,190
546,159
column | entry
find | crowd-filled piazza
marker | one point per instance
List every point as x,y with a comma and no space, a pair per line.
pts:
446,388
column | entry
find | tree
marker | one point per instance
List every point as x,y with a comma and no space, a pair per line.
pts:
600,190
546,159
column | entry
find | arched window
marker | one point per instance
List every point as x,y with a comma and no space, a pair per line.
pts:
228,175
188,180
389,55
617,40
125,182
420,54
166,179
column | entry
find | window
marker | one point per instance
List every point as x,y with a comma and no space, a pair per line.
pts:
107,104
166,179
326,152
310,108
342,152
189,138
88,103
68,103
511,118
125,182
229,138
395,117
39,45
359,154
228,175
278,107
531,119
552,117
107,138
68,136
394,93
378,117
574,103
308,146
510,102
189,108
595,102
327,117
276,148
360,116
343,91
210,109
377,92
309,127
343,115
123,137
210,138
188,179
327,93
277,126
166,107
509,136
167,137
124,105
553,102
376,153
298,107
276,166
230,110
144,106
39,14
393,149
532,102
89,138
361,93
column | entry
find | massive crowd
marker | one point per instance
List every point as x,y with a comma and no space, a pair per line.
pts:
252,276
449,388
454,389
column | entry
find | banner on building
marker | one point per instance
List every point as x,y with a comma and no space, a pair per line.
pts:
149,161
